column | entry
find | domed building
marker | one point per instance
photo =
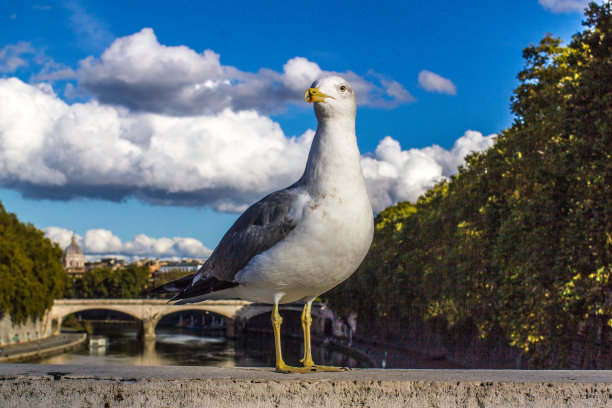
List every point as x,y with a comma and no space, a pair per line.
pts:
74,260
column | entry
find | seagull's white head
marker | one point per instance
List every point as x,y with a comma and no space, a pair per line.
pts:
332,96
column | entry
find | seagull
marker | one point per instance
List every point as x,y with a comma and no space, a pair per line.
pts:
297,243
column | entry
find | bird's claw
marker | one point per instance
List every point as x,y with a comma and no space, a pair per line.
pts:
283,368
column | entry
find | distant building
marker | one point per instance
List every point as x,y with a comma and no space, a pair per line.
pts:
74,260
180,267
185,267
152,264
109,263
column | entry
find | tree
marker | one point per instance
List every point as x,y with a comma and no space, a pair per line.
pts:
519,241
31,272
128,283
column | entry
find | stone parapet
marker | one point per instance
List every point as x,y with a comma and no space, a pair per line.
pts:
129,386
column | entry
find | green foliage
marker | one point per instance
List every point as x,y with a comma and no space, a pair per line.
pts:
394,215
165,277
31,272
129,283
520,239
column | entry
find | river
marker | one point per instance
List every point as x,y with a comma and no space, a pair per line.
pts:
174,346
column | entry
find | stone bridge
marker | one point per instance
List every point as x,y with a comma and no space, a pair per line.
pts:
148,312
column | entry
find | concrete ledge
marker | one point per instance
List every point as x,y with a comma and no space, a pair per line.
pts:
30,385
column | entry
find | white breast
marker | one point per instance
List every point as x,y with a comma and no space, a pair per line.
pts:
326,247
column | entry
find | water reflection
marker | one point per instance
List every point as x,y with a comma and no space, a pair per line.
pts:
184,347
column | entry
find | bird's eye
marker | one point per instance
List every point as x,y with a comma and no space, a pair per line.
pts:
342,88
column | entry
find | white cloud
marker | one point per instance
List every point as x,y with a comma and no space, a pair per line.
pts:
397,91
62,236
433,82
54,150
173,126
564,6
53,71
191,247
100,242
394,175
141,74
15,56
22,54
49,149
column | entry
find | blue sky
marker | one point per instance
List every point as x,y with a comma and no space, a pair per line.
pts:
145,128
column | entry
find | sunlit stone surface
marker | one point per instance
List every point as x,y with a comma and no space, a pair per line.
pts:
84,386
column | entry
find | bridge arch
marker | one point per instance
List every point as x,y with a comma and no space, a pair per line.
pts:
209,318
147,311
59,321
136,316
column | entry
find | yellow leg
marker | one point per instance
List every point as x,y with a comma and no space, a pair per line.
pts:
307,359
281,367
306,322
309,366
277,320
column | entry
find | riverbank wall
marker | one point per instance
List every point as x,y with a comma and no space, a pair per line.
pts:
33,329
40,348
127,386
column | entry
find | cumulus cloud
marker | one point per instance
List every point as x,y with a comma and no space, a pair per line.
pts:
564,6
49,149
433,82
61,236
141,74
54,150
171,126
101,242
394,175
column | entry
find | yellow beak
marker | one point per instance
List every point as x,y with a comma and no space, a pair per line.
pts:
314,95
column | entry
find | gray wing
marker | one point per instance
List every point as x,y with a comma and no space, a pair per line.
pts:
258,229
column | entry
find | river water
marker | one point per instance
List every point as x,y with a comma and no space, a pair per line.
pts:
174,346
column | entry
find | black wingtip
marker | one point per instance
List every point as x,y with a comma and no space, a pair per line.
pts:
203,287
159,289
174,286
